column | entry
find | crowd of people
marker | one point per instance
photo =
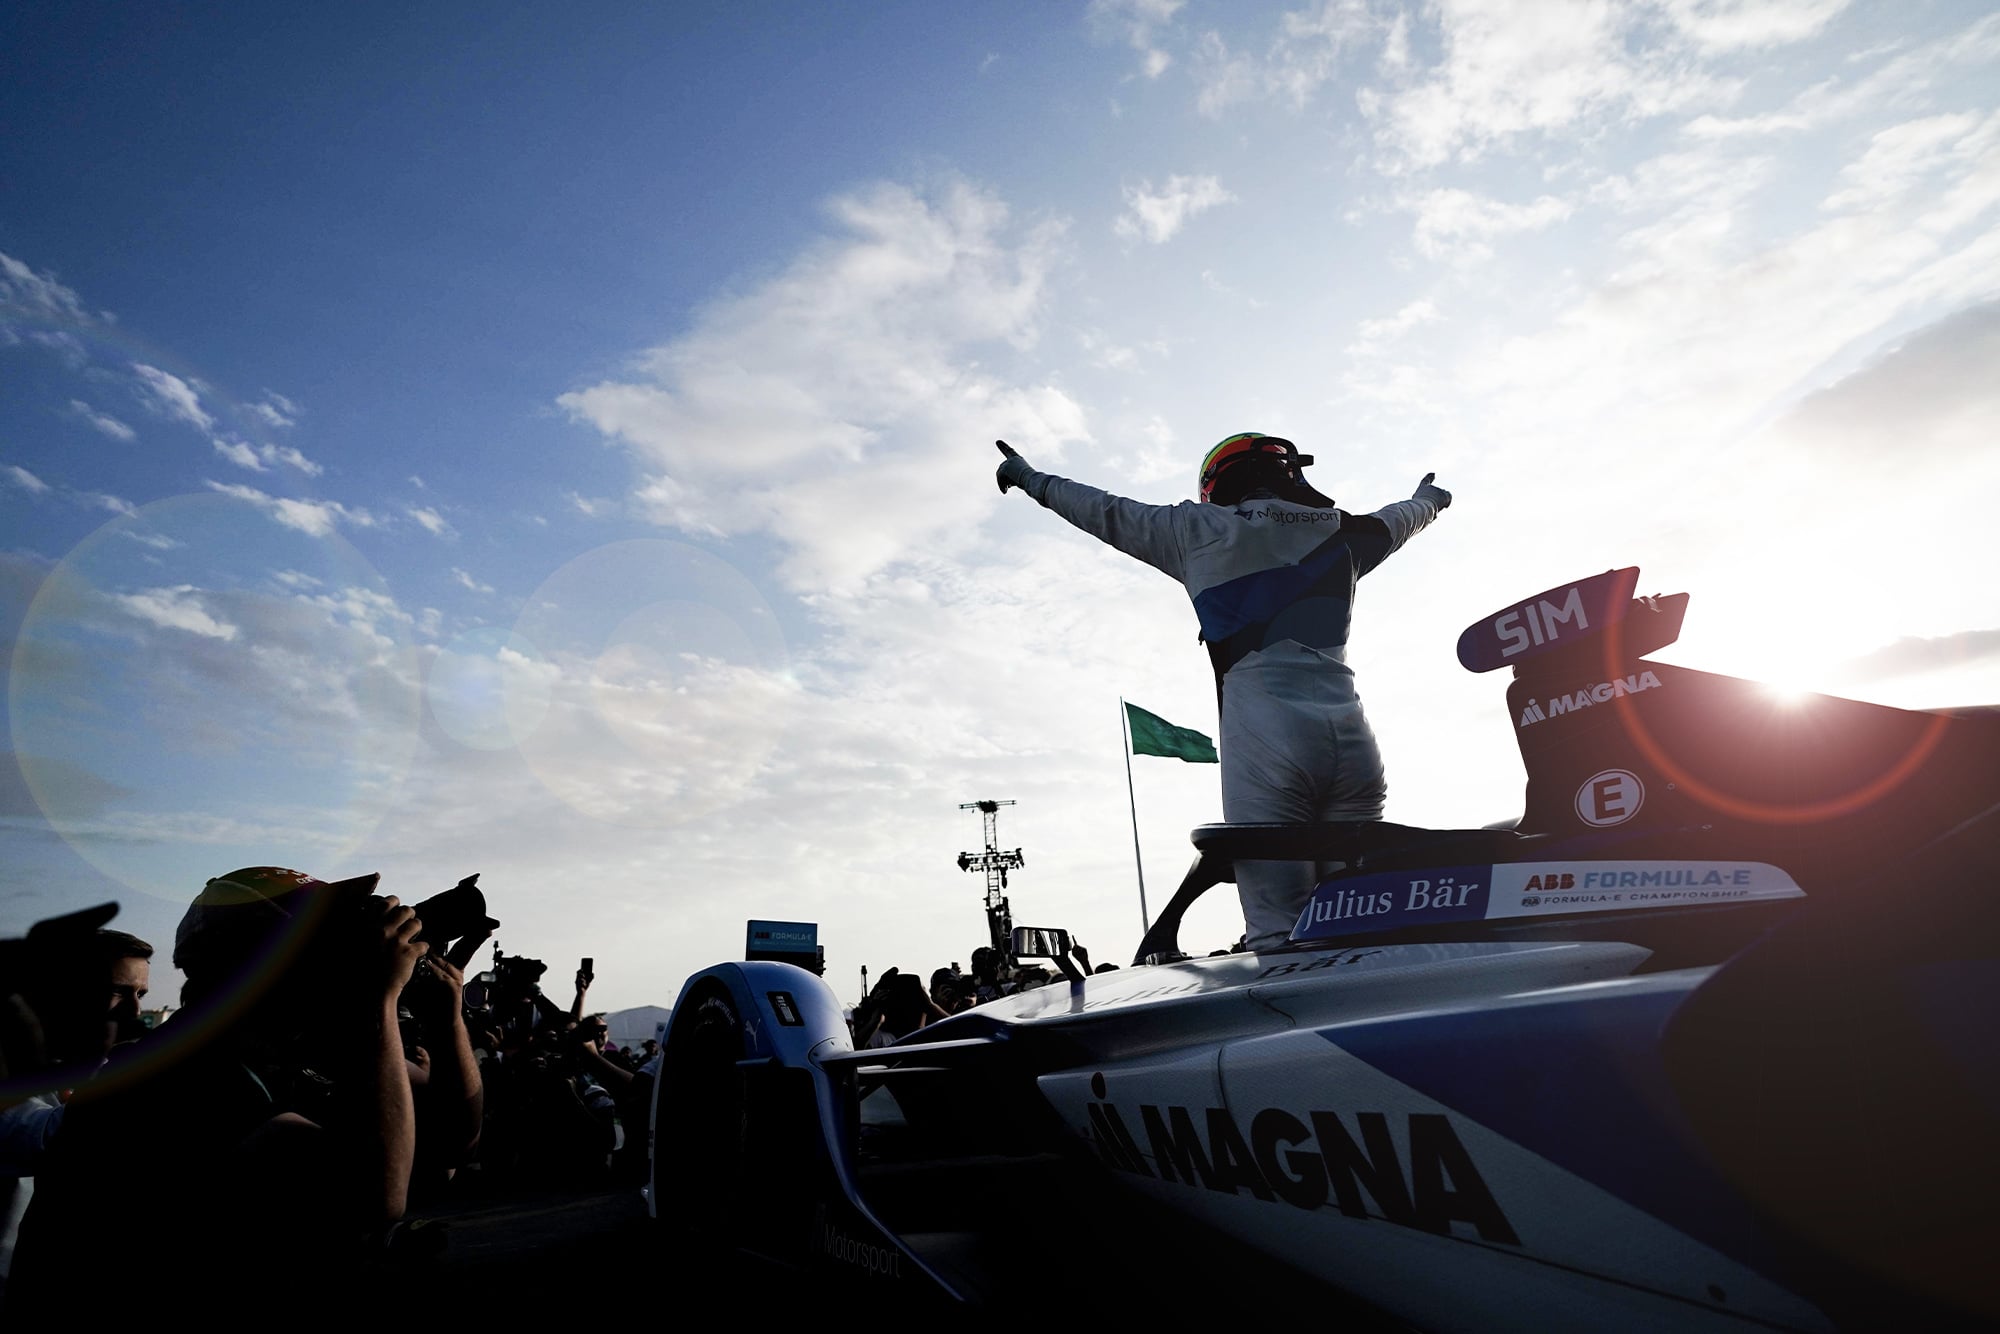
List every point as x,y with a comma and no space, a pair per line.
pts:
900,1003
330,1073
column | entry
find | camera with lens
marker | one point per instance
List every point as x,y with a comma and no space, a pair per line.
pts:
455,922
516,974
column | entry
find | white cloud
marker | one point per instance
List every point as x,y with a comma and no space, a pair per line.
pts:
1905,79
847,384
1901,156
67,346
172,396
153,541
1138,22
430,520
275,410
607,401
1156,215
1409,390
1712,301
26,480
667,501
229,685
1515,69
1932,399
1373,335
102,421
466,581
1303,56
1729,25
260,458
99,500
371,610
104,501
1221,288
176,608
1103,352
291,458
315,518
1226,77
23,292
1421,311
238,453
1747,127
1457,224
1148,450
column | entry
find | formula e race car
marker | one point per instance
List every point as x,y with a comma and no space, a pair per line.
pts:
1702,1041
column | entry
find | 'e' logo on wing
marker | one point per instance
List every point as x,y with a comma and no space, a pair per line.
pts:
1610,797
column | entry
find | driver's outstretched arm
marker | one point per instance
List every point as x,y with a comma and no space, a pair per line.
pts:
1151,533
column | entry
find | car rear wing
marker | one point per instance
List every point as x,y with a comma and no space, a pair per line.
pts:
1595,616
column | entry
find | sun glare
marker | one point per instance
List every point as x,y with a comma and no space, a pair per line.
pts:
1785,694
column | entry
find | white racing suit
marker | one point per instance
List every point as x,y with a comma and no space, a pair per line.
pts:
1273,585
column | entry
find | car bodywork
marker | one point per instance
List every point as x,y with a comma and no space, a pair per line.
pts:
1699,1042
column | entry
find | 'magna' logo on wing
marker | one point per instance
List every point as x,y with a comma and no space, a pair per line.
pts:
1601,693
1307,1162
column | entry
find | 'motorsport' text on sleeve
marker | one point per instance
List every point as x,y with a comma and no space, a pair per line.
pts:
1150,533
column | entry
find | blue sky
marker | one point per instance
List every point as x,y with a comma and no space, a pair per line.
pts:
559,446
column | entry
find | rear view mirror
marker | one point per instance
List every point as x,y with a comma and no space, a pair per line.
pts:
1040,942
1047,942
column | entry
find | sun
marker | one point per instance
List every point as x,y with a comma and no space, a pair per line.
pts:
1786,694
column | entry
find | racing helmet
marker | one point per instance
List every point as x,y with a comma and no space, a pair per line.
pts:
1249,454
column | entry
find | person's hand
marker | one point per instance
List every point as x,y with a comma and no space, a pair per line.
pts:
418,1062
592,1037
583,981
1082,954
1437,495
1013,470
398,945
468,944
438,995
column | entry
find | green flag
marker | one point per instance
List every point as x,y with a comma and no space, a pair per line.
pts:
1154,735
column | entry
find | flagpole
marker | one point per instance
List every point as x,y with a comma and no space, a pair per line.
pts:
1125,734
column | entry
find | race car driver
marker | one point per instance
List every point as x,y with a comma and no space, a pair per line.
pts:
1271,566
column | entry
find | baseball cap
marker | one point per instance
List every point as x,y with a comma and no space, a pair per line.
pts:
236,914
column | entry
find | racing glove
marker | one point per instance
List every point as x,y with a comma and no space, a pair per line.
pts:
1437,495
1013,470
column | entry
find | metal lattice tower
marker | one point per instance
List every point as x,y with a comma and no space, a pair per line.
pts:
996,864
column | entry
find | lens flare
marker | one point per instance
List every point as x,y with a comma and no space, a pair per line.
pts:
489,689
669,685
197,686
